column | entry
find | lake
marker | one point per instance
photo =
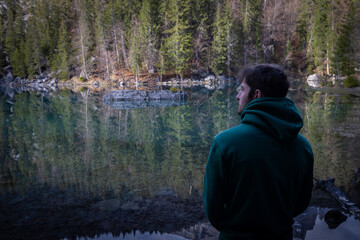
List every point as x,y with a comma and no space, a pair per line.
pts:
73,167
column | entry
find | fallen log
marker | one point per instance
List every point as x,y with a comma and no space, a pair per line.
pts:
329,186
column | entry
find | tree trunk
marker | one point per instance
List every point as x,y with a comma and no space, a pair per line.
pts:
115,37
123,49
228,51
106,61
83,56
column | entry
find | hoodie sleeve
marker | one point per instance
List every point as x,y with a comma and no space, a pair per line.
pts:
306,189
214,185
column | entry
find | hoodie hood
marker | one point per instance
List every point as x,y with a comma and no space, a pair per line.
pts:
278,117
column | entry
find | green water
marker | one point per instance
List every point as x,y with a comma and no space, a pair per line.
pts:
74,143
70,140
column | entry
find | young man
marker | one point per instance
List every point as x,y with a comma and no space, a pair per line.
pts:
259,175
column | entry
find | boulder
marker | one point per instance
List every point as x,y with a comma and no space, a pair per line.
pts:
210,78
314,80
53,82
95,83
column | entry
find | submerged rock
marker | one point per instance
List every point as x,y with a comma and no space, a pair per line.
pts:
134,95
132,99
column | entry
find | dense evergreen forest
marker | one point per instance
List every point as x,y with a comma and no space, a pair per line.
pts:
105,38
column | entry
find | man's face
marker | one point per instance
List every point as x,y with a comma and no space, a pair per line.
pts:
242,96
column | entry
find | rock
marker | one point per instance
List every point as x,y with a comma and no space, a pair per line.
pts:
314,80
334,218
53,81
210,78
151,70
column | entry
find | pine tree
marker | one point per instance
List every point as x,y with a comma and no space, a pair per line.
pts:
203,13
17,61
135,50
148,33
120,31
320,33
32,45
82,42
11,41
103,59
344,56
179,41
162,63
42,14
223,43
112,31
303,22
218,50
14,41
2,54
60,62
251,35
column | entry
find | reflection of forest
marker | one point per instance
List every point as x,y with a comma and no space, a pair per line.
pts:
71,140
68,156
332,125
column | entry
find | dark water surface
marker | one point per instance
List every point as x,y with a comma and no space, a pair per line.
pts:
72,167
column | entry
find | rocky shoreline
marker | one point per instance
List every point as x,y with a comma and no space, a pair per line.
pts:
45,83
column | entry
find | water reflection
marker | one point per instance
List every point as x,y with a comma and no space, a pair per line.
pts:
68,162
137,236
332,125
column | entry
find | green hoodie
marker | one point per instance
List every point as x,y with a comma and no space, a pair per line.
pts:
259,175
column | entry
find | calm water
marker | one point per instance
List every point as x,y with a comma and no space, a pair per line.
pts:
74,168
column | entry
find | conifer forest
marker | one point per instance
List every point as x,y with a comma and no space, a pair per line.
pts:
87,38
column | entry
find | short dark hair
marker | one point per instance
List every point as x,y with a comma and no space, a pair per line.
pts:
270,79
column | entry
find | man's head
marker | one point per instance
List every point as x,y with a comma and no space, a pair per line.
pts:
263,80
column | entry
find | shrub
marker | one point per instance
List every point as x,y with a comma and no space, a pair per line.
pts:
351,81
82,79
83,89
174,89
329,83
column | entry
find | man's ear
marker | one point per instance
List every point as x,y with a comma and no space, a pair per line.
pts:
258,94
